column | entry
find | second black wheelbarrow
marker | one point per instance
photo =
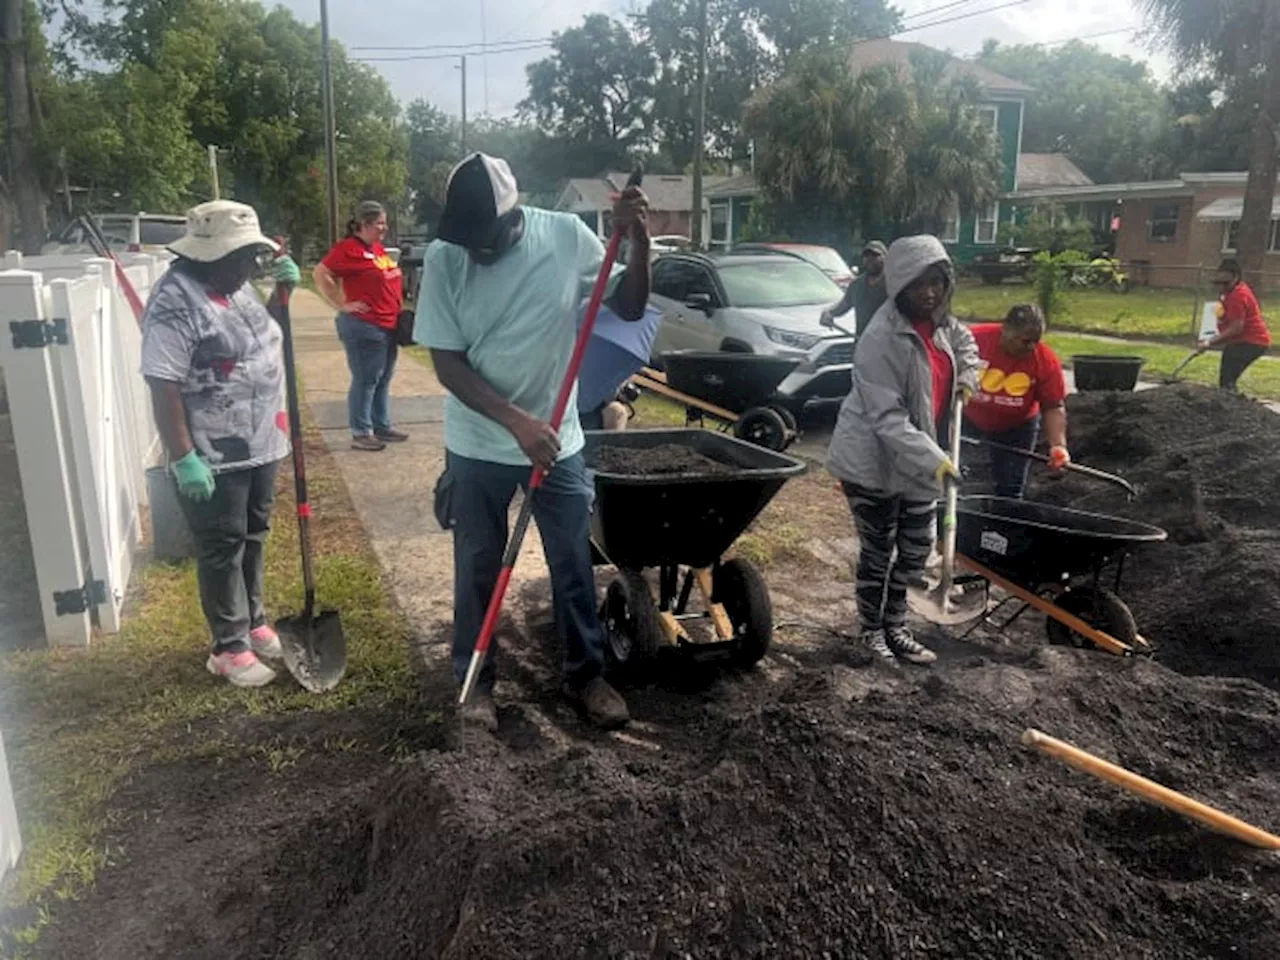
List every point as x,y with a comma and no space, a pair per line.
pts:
1054,559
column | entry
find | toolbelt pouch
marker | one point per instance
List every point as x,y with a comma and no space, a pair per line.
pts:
442,501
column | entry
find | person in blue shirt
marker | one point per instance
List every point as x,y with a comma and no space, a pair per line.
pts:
498,310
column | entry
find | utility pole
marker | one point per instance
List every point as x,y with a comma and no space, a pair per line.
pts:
330,127
213,172
463,68
699,126
484,56
23,168
1264,155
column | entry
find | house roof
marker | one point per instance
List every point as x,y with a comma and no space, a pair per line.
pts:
1229,208
743,185
897,53
665,192
1186,185
1038,171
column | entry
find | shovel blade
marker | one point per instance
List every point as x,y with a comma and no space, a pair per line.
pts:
933,604
315,650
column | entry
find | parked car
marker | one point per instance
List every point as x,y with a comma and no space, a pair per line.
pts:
826,259
133,233
1001,265
754,303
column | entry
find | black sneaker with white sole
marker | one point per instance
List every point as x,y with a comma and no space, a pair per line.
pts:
903,644
875,641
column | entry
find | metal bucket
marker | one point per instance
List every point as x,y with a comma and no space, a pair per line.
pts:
171,538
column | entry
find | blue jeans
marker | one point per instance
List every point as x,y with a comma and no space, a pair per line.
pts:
1008,470
371,358
479,498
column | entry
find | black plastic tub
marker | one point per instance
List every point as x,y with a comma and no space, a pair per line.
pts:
1096,372
689,519
1038,543
734,381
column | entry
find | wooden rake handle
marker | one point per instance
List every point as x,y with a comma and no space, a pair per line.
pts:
1151,791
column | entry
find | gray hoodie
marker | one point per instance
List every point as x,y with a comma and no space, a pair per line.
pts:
885,438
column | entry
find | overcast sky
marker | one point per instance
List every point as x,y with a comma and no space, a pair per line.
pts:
386,23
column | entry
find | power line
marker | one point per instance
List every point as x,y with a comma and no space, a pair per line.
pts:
1088,36
469,47
962,16
938,9
450,56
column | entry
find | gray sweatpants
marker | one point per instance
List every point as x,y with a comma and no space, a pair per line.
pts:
230,531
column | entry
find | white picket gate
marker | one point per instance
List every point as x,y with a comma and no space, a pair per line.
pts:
82,425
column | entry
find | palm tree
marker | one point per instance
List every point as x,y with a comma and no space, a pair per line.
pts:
1240,40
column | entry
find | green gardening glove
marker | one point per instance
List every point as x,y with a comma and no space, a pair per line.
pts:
195,479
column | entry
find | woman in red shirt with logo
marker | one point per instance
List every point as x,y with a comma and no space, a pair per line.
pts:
1242,333
1020,387
362,283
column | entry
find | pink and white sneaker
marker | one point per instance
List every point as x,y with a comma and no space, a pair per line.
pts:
266,642
243,669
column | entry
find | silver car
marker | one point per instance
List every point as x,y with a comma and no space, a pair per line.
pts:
755,303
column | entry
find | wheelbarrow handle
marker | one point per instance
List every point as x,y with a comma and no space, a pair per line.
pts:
1079,468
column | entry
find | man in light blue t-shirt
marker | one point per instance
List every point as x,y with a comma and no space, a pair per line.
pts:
498,309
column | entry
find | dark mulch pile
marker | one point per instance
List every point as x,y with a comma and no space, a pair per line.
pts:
666,458
1207,466
904,825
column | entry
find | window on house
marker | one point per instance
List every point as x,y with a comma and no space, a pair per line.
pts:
990,115
1231,232
719,226
951,225
984,228
1163,226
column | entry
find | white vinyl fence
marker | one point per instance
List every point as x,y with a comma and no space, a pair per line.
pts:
70,348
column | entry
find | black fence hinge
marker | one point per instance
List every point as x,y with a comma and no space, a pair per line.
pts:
81,599
37,333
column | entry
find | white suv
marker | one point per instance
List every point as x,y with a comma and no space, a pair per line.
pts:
755,303
124,232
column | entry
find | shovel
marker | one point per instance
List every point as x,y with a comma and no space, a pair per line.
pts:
1079,468
936,604
315,648
1173,377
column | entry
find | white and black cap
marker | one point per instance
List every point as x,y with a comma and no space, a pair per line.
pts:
480,195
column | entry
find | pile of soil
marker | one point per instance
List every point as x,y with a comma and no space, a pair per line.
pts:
1207,467
663,459
842,819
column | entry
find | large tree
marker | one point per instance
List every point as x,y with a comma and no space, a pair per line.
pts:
1239,41
20,132
1106,112
838,148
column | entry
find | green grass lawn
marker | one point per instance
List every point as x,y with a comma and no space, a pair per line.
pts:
1142,312
1262,380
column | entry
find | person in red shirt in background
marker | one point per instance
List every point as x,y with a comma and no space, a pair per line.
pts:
1021,386
363,283
1242,333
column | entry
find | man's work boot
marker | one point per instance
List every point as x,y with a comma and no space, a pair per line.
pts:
603,705
481,711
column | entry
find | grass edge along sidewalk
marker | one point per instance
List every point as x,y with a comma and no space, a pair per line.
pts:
1261,380
79,724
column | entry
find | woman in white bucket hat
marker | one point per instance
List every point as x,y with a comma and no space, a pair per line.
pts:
212,357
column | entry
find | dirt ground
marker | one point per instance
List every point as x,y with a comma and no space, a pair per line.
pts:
815,806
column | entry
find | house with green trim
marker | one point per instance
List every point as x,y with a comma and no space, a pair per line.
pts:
967,233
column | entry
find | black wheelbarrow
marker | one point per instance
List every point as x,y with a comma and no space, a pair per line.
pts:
1054,559
738,390
681,525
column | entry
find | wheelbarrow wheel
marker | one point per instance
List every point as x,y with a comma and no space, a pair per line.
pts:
1101,609
739,587
630,620
765,427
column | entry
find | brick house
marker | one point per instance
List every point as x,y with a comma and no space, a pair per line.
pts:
1168,231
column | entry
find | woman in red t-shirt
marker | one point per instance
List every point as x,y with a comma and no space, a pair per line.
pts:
1242,333
362,283
1021,387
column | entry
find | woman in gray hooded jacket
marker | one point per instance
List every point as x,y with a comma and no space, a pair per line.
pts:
913,359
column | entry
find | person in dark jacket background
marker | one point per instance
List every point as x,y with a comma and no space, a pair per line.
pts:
866,294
